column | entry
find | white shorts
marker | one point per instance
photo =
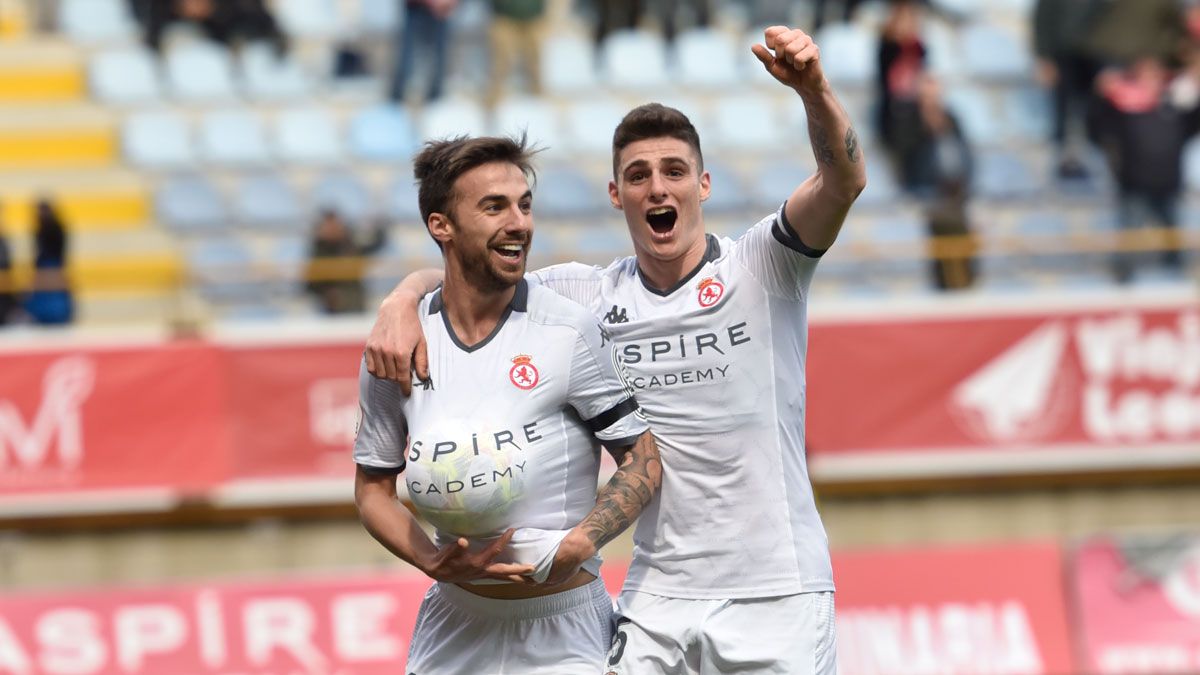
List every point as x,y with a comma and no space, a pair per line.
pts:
562,634
792,634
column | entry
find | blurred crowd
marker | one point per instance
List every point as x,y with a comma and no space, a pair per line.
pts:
1122,78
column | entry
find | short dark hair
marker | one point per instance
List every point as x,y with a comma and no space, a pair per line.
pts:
654,120
441,162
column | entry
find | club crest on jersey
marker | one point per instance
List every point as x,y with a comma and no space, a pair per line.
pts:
710,292
523,374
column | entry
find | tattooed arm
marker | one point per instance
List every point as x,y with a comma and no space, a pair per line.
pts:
816,209
618,504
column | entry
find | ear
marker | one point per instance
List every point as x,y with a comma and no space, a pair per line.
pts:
705,186
441,227
614,195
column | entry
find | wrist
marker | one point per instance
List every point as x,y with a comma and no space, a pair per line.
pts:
812,90
578,544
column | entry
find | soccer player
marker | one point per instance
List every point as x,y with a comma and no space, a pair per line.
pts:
499,447
731,569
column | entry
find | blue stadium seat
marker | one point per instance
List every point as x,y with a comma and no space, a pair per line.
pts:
401,203
125,76
750,68
1191,165
1027,113
345,193
452,117
200,72
943,50
383,133
307,136
775,181
748,123
268,201
991,53
157,140
267,76
379,16
882,190
535,116
847,53
190,203
1042,223
96,21
898,229
223,270
705,58
634,60
233,138
308,18
728,194
976,114
564,192
590,125
568,65
1002,175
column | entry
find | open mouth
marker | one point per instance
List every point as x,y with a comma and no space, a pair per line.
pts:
661,219
510,251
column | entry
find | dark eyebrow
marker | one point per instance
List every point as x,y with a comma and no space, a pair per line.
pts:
502,198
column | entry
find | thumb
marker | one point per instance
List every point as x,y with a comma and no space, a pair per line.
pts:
421,359
764,55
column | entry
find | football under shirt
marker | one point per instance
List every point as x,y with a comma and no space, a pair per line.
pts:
506,429
717,363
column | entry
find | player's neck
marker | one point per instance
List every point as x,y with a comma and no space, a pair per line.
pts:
664,274
473,312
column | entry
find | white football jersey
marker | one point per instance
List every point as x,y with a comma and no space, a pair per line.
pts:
717,364
535,396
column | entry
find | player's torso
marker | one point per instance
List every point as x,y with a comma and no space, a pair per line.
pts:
492,422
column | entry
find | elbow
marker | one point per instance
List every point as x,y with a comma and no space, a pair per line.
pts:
856,185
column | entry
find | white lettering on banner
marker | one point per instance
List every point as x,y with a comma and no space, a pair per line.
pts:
1146,659
1122,349
147,629
71,642
333,411
209,629
360,627
1182,585
65,387
949,639
286,624
13,658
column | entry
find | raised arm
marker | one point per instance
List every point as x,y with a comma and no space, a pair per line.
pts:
816,210
618,504
393,526
396,345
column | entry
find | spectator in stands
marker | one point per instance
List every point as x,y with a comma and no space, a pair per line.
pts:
515,33
425,29
901,62
613,15
937,166
225,21
699,14
820,8
50,300
337,262
1060,28
8,297
1143,123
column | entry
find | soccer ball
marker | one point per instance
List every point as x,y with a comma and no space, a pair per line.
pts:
466,479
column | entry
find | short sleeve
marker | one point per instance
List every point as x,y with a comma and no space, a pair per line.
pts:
598,392
574,281
382,433
774,255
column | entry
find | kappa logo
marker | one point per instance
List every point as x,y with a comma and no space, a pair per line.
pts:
523,374
1022,394
710,292
616,315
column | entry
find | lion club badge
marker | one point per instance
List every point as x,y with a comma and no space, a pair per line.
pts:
711,291
523,373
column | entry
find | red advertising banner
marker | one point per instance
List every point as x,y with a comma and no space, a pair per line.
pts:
1139,605
996,610
1009,392
293,409
352,626
112,419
